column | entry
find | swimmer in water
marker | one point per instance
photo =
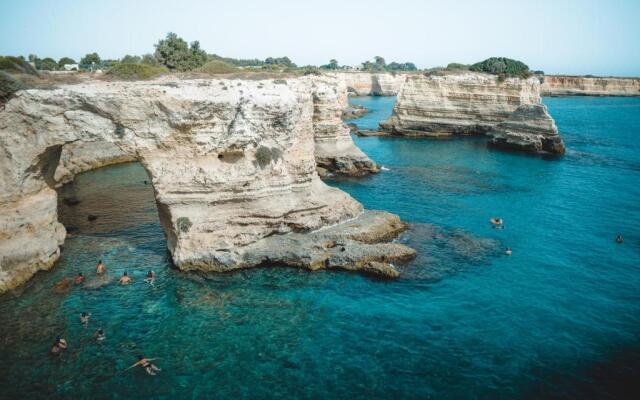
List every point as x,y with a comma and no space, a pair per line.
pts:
146,364
497,223
150,277
508,251
84,318
59,346
99,335
79,279
125,280
619,239
100,268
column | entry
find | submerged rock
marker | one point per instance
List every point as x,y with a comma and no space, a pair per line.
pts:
530,129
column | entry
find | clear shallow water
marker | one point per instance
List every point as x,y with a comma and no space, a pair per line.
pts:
559,318
379,107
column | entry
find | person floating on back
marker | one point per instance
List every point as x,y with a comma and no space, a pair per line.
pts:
99,335
100,268
59,346
125,280
79,279
84,318
619,239
146,364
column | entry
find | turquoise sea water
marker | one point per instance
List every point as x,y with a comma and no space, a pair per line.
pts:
560,318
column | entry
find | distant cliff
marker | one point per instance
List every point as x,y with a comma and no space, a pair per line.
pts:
559,85
372,83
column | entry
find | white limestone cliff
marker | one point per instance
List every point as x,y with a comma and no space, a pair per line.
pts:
231,162
457,103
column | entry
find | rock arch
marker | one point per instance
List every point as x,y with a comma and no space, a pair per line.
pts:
213,211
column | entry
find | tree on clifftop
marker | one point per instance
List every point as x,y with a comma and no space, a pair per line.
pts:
174,53
333,64
64,61
502,66
90,59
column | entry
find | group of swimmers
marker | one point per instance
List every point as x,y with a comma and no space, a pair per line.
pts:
125,279
498,223
60,344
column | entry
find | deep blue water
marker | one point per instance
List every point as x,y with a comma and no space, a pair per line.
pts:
559,318
379,107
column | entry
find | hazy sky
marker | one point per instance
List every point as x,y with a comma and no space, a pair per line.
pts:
572,37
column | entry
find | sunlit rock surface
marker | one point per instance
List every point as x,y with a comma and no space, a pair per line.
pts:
231,162
530,129
335,150
558,85
457,103
372,83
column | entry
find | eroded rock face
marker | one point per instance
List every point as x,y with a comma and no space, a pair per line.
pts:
372,83
231,162
558,85
530,129
335,151
457,103
78,157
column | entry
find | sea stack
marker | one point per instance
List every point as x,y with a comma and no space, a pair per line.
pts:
530,129
458,103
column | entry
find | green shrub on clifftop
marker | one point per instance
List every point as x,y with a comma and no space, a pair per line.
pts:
502,65
16,65
8,86
217,67
132,72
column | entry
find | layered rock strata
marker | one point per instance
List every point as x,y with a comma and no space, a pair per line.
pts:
232,164
335,151
531,129
372,83
558,85
334,148
457,103
78,157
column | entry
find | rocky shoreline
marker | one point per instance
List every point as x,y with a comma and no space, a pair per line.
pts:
233,164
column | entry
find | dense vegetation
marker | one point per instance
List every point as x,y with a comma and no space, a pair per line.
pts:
502,66
217,67
16,65
8,86
132,71
174,53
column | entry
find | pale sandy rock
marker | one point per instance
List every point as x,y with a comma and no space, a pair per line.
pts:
457,103
558,85
530,129
231,162
335,150
78,157
372,83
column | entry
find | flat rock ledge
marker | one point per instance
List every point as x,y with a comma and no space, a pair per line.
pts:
362,244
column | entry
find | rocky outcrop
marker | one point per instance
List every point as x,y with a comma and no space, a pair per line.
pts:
372,83
232,164
334,149
558,85
530,129
457,103
78,157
